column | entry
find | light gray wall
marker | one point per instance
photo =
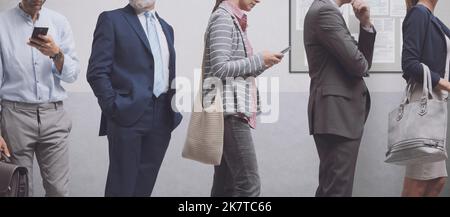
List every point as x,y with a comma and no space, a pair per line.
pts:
287,157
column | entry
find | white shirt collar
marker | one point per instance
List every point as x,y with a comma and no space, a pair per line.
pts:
153,12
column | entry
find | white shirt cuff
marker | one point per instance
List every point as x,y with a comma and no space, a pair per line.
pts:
368,29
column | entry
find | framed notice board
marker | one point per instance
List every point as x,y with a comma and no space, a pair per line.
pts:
387,17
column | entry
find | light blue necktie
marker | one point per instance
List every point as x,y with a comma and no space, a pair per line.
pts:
152,34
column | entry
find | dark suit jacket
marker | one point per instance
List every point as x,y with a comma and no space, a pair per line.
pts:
121,67
339,101
423,42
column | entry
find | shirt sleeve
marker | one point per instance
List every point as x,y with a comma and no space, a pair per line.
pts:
71,67
334,36
414,35
369,29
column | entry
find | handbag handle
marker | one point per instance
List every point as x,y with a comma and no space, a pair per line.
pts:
426,93
408,91
426,87
200,94
219,90
4,158
429,85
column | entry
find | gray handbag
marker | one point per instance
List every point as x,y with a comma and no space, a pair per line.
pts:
418,127
13,179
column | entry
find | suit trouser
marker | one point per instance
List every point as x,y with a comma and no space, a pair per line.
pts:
237,175
41,130
338,157
137,152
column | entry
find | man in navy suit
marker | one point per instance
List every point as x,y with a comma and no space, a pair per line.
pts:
130,71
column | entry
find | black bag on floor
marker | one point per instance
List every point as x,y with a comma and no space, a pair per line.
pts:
13,179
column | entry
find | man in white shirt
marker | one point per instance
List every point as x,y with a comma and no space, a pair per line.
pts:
33,119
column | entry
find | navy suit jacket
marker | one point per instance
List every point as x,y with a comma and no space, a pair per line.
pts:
424,42
121,67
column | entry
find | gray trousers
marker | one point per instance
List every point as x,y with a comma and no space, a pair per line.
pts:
41,130
237,175
338,157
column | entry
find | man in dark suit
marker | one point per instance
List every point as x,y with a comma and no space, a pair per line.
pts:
130,71
339,101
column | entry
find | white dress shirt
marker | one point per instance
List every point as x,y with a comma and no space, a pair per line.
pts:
163,45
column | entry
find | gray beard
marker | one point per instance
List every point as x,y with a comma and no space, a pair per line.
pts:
140,5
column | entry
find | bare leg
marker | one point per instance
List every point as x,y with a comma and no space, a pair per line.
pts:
414,188
435,187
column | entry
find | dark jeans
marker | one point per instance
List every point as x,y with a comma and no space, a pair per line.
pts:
237,175
136,152
338,156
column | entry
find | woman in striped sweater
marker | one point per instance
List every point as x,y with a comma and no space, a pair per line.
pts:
229,57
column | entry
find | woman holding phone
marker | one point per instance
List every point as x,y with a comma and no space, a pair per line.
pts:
229,57
425,40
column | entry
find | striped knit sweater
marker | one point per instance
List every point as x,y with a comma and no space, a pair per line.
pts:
225,58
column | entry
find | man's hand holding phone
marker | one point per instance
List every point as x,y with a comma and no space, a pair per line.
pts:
43,42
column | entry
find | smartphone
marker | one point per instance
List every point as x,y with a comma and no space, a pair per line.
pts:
286,50
39,31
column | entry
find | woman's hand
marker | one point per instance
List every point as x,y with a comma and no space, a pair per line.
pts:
271,59
444,85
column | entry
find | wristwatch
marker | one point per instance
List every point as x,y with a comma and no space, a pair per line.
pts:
57,56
